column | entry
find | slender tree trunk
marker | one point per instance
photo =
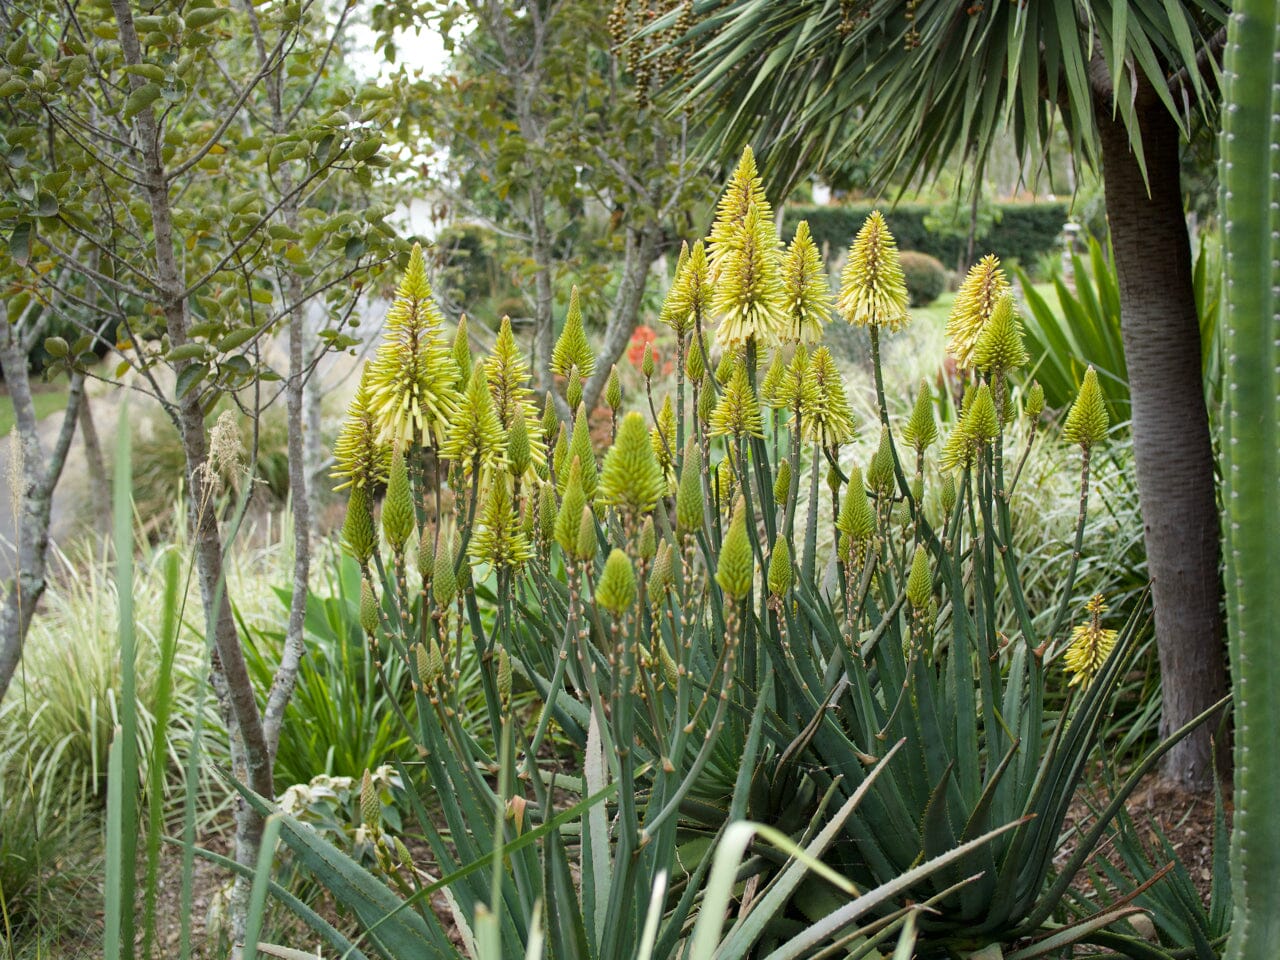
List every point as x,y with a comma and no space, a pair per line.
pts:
1172,451
641,252
36,478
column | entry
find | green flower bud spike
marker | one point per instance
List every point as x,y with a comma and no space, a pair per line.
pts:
999,348
519,451
1087,422
631,478
880,474
504,677
647,366
827,416
689,300
780,571
736,568
948,493
663,573
873,290
1033,405
359,539
921,430
782,483
461,352
426,557
370,805
857,518
980,422
368,607
695,365
613,390
581,449
475,433
573,389
647,546
397,507
569,518
670,672
444,585
689,493
547,511
550,419
572,349
560,454
706,400
738,412
498,538
361,458
587,543
920,581
616,591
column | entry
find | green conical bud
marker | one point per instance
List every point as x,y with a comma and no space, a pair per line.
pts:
780,571
570,516
833,480
948,493
462,570
358,536
572,349
647,546
370,805
587,542
397,507
921,431
670,672
519,451
647,365
573,390
444,585
631,477
726,367
1033,405
547,511
782,483
560,454
550,420
980,422
772,381
857,518
613,390
663,573
426,557
706,400
1087,422
974,304
368,607
504,677
529,519
880,471
581,449
920,581
736,568
737,414
616,590
695,366
689,493
462,352
999,346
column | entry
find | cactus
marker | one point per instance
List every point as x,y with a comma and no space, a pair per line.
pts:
1250,175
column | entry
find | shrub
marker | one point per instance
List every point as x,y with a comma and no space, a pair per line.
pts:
1024,230
693,659
925,275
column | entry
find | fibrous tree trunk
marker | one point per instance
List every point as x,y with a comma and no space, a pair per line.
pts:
1172,450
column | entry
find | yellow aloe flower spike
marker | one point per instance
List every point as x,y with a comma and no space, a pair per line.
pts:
572,349
413,377
975,301
827,418
748,293
1087,422
498,538
807,294
361,458
631,478
873,290
616,591
737,413
744,192
475,436
1091,644
689,299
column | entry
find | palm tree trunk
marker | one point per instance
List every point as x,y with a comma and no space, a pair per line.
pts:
1173,455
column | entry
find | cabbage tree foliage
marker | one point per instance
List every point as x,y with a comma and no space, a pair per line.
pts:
547,110
180,180
917,86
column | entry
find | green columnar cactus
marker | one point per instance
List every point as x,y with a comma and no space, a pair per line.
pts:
1250,175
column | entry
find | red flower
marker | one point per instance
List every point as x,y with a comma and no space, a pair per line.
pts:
642,336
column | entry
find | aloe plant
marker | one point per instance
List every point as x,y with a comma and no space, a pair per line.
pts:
1251,464
695,660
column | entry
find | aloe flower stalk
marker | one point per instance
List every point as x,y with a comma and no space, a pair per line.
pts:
572,350
873,290
807,295
361,458
976,300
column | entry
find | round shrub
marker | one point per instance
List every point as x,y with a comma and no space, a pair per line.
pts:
926,277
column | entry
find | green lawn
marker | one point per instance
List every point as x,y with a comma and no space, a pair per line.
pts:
46,401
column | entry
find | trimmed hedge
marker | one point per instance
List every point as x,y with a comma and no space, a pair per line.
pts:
1025,230
925,275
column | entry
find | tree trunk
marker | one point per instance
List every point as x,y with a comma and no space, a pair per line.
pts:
32,493
641,252
1172,452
